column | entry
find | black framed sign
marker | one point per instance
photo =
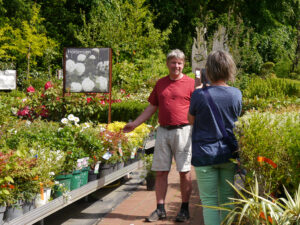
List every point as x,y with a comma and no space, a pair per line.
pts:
8,79
87,70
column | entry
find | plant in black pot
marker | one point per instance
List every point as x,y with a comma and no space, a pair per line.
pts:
149,174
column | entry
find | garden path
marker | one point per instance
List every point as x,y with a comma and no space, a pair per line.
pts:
134,209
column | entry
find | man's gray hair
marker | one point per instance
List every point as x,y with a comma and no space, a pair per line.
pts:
176,53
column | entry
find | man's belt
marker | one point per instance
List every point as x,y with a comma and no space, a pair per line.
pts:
172,127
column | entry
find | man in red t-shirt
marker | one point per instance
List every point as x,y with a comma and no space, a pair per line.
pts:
171,96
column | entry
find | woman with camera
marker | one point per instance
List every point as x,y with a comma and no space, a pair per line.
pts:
213,111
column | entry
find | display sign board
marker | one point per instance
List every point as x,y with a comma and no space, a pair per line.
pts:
87,70
8,79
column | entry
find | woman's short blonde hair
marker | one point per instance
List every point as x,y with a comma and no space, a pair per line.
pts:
176,53
220,66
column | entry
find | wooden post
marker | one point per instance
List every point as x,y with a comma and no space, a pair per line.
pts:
110,85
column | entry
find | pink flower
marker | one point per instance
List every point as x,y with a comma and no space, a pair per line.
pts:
123,91
102,102
30,89
48,85
57,98
24,111
88,100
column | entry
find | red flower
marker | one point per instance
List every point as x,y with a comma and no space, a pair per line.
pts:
48,85
88,100
30,89
42,95
24,111
102,102
44,112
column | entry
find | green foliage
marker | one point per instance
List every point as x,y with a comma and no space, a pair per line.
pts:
147,160
26,43
125,26
274,104
274,136
271,87
253,208
143,73
267,68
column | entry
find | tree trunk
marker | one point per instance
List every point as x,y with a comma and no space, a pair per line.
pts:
28,62
297,55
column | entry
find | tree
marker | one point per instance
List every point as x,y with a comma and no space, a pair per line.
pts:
25,43
125,26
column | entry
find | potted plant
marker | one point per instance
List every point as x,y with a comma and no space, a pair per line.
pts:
23,170
6,182
149,174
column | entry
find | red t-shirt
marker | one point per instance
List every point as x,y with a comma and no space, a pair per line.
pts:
173,99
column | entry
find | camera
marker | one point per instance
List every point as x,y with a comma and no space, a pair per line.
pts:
201,74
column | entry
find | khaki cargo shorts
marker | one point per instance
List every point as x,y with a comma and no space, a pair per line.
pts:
169,143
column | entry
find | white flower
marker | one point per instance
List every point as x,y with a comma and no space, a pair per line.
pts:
71,117
86,125
102,83
70,65
79,69
81,57
88,85
76,119
28,123
24,99
14,111
51,173
59,129
76,87
64,120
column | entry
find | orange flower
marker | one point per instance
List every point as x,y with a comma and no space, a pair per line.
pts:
262,215
11,186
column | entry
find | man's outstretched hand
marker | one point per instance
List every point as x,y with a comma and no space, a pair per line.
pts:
129,127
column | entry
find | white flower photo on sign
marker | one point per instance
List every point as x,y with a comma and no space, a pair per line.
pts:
87,70
76,87
88,85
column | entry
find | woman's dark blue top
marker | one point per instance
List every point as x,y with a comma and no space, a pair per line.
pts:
208,148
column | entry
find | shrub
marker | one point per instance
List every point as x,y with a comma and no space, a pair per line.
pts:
274,104
270,87
274,136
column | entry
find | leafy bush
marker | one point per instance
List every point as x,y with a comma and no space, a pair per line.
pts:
274,104
274,136
270,87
